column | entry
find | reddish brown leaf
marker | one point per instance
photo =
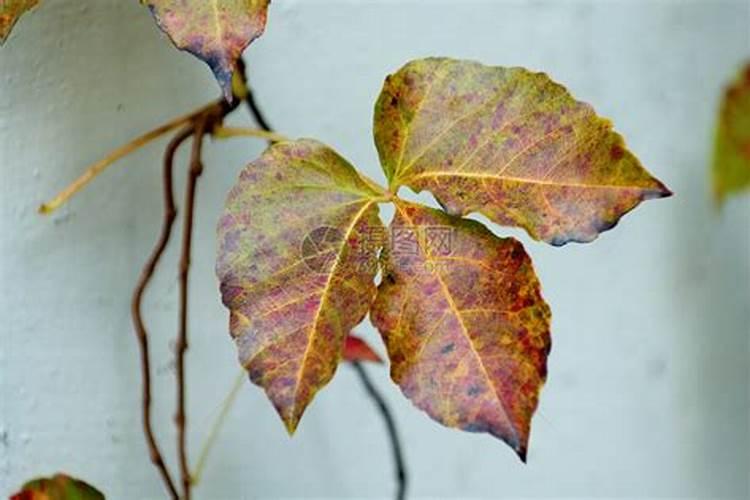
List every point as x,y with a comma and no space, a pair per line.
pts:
59,487
216,31
296,269
462,316
356,349
509,143
10,11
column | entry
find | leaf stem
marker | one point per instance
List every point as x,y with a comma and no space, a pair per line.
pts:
97,168
217,425
196,169
170,213
228,132
390,423
249,98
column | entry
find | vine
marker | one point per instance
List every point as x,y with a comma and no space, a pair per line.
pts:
460,309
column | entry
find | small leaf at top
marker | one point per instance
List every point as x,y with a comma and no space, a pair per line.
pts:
464,322
10,11
216,31
59,487
296,264
731,166
356,349
508,143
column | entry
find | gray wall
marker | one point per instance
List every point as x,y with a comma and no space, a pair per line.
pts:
648,386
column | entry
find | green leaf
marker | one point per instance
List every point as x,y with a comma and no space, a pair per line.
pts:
296,264
464,322
216,31
508,143
731,165
10,11
59,487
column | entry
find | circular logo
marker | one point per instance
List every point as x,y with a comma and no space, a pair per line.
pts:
320,246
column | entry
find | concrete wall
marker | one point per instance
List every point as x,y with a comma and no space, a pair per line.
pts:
648,387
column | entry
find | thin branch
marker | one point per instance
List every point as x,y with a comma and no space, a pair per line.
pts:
385,412
255,111
217,425
228,132
97,168
196,169
140,329
249,98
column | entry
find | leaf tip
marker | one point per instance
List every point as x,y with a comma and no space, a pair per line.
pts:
226,85
290,423
661,191
521,452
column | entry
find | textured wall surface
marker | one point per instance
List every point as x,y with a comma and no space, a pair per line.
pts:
648,392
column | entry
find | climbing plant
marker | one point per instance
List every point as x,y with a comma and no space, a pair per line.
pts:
460,309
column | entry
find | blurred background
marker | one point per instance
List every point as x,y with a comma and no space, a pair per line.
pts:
648,392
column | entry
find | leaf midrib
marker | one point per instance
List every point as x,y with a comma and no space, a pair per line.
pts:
523,180
324,296
457,312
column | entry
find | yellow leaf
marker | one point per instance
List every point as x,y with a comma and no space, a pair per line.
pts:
296,265
508,143
731,165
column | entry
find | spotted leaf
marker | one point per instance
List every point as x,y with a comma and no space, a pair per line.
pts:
296,265
464,322
10,11
510,144
216,31
356,349
731,165
59,487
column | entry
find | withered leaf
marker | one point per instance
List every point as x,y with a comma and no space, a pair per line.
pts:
296,266
59,487
464,322
216,31
731,165
10,11
508,143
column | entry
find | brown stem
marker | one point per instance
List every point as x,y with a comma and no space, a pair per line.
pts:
196,169
140,329
390,425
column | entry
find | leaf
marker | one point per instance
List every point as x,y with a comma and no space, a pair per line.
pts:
464,322
59,487
216,31
356,349
731,165
510,144
296,267
10,11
